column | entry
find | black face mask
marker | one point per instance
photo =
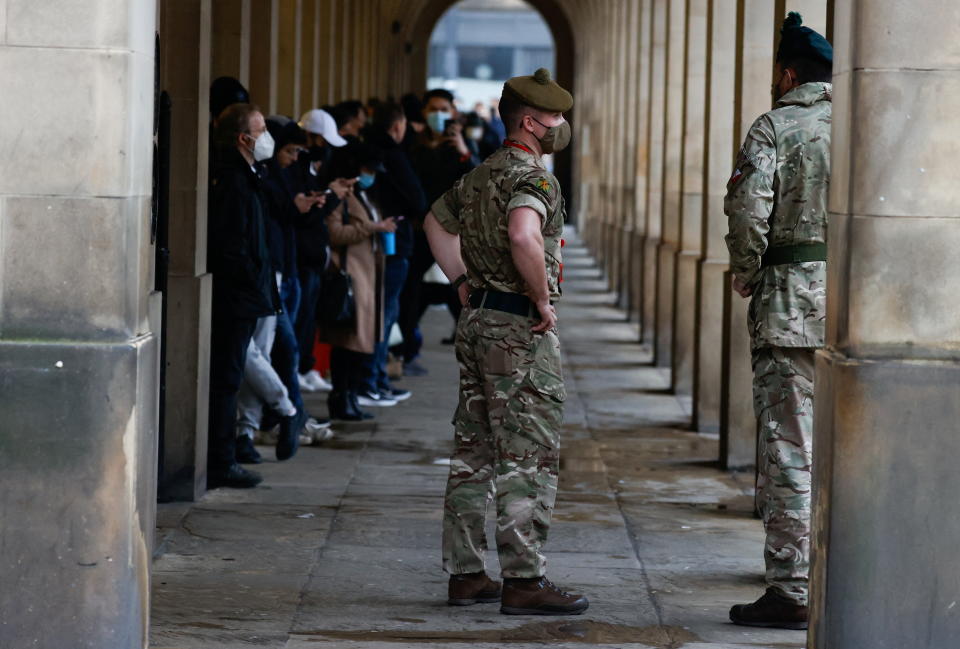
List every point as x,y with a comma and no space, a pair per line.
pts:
320,154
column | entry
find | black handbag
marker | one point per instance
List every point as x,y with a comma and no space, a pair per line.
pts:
338,306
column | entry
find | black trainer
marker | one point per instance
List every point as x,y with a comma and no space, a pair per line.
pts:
288,439
234,476
246,451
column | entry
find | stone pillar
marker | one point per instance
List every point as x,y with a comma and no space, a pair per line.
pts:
309,57
886,515
655,139
641,98
264,52
185,27
738,425
691,205
671,181
287,71
718,165
230,45
78,324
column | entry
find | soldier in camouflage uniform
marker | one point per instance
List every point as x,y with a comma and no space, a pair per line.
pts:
496,233
777,207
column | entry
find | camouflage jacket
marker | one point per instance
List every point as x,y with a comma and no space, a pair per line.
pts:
478,205
776,197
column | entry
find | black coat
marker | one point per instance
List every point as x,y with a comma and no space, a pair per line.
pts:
281,226
438,168
244,283
398,191
313,238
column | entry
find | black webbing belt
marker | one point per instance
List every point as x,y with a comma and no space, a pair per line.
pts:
797,254
498,301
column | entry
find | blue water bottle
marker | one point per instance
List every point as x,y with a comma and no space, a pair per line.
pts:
389,243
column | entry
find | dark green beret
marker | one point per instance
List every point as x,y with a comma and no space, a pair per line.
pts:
798,42
540,91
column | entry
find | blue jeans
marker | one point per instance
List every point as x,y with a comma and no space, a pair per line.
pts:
286,351
305,323
395,276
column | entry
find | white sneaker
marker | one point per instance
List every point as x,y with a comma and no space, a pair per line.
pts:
317,382
314,426
305,384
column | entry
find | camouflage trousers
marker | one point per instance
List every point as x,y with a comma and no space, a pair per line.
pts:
783,402
507,443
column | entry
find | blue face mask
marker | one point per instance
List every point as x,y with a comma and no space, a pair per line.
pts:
366,181
438,120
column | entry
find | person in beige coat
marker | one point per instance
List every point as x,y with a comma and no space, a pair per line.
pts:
355,228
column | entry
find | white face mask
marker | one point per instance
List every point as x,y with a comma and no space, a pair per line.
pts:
263,147
475,132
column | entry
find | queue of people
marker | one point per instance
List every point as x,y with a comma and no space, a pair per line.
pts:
316,236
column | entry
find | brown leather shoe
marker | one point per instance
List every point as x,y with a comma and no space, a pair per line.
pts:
773,610
538,596
472,588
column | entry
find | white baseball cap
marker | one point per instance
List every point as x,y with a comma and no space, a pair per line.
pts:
320,122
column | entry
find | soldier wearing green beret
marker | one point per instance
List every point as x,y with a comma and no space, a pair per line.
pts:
777,207
496,235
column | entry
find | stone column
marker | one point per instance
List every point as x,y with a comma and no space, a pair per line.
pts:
78,323
309,57
287,72
718,165
886,515
671,181
230,45
641,98
654,205
264,52
691,205
738,425
185,27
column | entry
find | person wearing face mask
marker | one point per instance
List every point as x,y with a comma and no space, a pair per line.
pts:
311,175
355,228
399,195
440,158
244,283
481,139
496,235
777,207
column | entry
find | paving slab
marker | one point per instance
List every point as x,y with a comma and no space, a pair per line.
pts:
340,546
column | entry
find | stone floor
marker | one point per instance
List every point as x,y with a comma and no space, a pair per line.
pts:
340,546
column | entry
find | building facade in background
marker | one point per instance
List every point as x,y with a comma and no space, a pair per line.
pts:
479,44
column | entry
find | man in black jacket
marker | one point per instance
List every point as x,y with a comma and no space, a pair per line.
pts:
400,197
440,157
244,285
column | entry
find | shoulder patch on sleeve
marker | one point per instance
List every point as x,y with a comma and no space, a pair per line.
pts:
544,185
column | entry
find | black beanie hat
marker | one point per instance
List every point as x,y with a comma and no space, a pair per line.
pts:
799,42
226,91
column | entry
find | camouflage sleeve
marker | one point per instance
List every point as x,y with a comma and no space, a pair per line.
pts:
537,190
749,201
446,209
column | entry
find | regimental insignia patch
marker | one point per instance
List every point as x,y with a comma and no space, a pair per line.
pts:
543,185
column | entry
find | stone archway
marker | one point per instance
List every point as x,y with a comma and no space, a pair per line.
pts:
559,22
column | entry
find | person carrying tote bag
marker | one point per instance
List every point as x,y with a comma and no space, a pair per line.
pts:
358,259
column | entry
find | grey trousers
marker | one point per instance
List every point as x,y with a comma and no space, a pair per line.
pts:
262,385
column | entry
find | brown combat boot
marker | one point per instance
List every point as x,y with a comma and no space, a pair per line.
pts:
538,596
773,611
472,588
